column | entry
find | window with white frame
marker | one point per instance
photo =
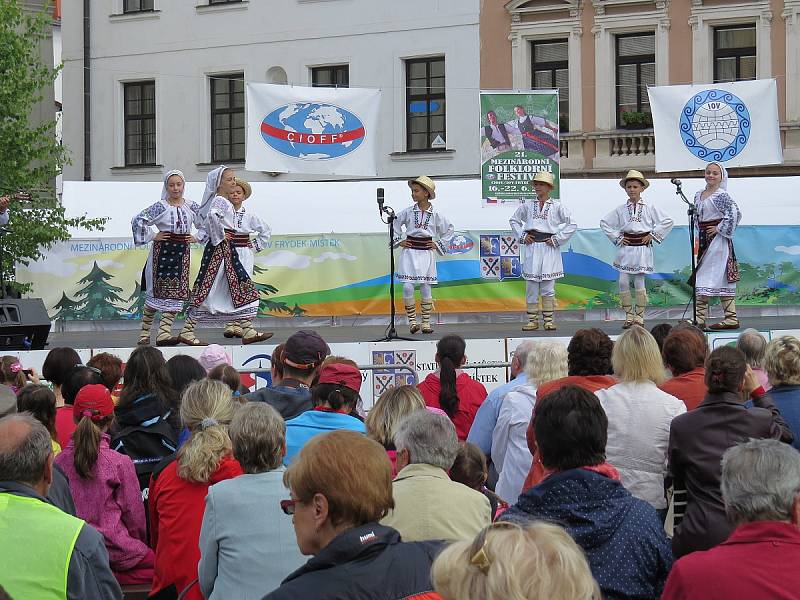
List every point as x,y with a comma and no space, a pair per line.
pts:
134,6
425,103
550,70
331,76
139,113
227,117
635,60
734,53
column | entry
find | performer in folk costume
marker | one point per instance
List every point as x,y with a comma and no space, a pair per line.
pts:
542,226
165,278
633,227
717,269
223,292
427,233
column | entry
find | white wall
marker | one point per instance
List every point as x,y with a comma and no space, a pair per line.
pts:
182,42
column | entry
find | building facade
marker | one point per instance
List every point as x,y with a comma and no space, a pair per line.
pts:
166,79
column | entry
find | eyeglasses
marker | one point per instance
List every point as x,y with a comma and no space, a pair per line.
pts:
287,506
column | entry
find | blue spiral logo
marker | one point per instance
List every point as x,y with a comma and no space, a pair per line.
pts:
715,125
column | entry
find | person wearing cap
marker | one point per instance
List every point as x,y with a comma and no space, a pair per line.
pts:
334,397
301,356
542,225
427,233
633,227
224,292
105,487
165,277
212,356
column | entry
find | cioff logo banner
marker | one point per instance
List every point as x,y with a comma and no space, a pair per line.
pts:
318,131
735,124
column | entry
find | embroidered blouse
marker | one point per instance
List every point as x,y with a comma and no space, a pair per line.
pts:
165,217
423,223
553,218
636,218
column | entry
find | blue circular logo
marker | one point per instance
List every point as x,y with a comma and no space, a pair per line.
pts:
313,131
715,125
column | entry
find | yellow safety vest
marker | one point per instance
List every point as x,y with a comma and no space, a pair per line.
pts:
36,542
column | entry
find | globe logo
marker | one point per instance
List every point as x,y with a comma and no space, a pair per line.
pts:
715,125
313,131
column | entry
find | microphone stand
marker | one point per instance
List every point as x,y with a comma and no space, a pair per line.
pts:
691,211
391,331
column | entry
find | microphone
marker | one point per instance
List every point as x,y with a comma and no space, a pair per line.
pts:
675,181
380,201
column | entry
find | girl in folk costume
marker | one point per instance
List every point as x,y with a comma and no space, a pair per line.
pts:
223,291
542,225
717,269
633,227
165,278
423,226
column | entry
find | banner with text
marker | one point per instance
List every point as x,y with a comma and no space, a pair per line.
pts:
313,130
519,136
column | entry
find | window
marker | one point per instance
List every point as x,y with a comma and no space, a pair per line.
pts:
333,76
227,117
132,6
550,70
636,69
734,53
425,104
140,123
222,1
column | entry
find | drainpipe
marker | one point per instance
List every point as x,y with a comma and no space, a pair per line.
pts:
87,95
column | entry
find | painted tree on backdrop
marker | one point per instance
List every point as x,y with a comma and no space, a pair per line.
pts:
30,155
98,296
137,298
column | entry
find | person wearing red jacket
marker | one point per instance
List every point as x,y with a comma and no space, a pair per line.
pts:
451,389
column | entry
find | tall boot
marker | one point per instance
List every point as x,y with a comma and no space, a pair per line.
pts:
187,336
701,308
731,321
233,329
250,335
165,337
641,304
425,309
548,310
533,317
411,313
626,302
148,315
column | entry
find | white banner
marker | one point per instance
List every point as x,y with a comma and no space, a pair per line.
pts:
735,124
313,130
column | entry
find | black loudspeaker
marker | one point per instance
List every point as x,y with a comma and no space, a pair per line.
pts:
24,324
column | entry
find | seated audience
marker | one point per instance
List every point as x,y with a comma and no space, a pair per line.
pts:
110,367
509,562
469,468
247,545
754,347
660,333
547,361
428,505
334,398
761,492
183,370
302,354
227,375
46,553
14,375
212,356
105,488
698,440
40,401
179,486
341,486
358,410
450,388
684,355
385,416
623,538
783,368
77,377
57,364
639,415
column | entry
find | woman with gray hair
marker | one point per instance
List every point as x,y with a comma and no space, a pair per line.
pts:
242,513
783,368
754,347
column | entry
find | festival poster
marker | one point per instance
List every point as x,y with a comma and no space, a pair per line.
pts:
519,136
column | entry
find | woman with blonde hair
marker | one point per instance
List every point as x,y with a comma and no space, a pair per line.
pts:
392,407
639,416
510,562
782,363
510,453
179,486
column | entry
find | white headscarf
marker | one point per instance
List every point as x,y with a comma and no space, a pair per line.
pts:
212,183
723,184
164,191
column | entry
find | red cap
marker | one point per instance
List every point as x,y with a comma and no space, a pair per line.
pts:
341,374
93,401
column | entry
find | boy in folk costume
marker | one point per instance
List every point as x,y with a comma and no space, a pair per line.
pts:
542,226
223,291
165,278
427,233
633,227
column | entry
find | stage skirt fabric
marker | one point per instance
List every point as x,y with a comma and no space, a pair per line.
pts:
712,274
634,259
417,266
159,304
541,262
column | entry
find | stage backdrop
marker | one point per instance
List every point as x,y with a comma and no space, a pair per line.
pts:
735,124
519,136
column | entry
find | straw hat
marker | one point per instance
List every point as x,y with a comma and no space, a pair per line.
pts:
637,175
544,177
425,182
245,186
